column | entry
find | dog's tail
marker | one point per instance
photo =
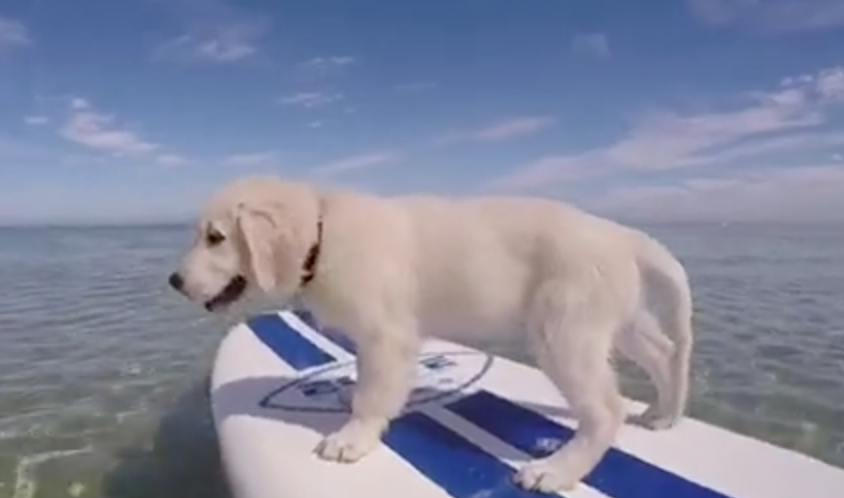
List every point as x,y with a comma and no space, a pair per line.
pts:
668,296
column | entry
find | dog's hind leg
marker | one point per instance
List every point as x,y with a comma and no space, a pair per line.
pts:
643,342
572,345
670,304
678,326
662,345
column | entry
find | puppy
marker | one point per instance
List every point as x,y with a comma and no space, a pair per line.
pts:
391,271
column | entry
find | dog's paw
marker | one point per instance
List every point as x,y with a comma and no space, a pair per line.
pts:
653,419
661,423
351,443
546,476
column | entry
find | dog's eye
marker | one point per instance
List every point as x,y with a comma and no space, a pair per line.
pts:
213,237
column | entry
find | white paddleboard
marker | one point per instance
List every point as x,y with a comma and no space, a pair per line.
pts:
279,386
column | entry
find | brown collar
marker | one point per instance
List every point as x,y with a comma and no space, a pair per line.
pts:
309,266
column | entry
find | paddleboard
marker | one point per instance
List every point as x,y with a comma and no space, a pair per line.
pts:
280,384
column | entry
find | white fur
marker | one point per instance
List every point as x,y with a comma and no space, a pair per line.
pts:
394,270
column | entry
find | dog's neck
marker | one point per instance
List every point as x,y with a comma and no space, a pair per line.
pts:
309,266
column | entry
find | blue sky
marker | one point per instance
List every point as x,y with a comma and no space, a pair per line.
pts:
682,109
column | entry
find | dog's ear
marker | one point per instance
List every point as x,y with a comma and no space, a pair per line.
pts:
259,231
272,240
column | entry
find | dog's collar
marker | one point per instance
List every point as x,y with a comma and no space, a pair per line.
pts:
309,266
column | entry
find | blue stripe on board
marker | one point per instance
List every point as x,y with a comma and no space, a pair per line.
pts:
452,462
619,474
335,336
462,469
287,343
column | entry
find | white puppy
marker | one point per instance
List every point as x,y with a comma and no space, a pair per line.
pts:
389,271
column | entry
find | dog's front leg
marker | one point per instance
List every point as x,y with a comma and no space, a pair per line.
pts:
386,366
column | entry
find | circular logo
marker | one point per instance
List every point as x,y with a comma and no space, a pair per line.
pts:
329,389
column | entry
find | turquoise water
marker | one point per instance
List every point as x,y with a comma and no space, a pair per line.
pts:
105,395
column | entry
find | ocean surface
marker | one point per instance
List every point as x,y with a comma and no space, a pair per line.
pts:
104,369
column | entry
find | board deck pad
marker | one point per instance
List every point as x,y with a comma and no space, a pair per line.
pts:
281,383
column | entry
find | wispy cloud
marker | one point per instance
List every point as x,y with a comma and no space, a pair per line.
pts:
78,103
417,86
322,68
595,45
773,16
252,159
541,173
311,99
807,193
95,130
171,160
789,117
36,120
13,33
218,45
356,163
501,130
512,128
324,65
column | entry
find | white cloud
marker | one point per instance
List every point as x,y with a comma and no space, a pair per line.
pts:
311,99
786,118
13,34
805,194
502,130
591,44
327,64
513,128
542,172
773,16
99,131
36,120
79,103
829,83
356,163
219,45
171,160
253,159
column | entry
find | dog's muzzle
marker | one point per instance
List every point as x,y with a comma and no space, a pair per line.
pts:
230,293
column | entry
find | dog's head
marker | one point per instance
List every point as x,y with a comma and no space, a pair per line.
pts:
254,233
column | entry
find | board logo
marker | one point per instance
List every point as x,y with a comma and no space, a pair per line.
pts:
329,389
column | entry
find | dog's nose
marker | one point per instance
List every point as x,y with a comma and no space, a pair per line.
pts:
176,281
